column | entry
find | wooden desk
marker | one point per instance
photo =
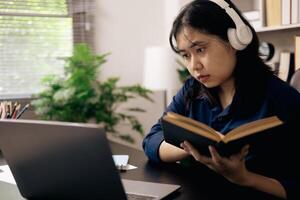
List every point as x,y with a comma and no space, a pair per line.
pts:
197,182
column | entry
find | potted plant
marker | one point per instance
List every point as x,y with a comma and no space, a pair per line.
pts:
80,97
183,72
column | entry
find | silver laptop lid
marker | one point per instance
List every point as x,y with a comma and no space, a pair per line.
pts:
57,160
155,190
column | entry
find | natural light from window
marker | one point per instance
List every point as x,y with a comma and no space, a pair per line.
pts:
35,36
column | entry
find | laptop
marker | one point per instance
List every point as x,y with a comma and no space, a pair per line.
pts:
59,160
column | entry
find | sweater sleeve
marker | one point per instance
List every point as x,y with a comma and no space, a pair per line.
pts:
154,138
289,165
285,159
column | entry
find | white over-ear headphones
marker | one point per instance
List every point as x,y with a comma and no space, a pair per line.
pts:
240,36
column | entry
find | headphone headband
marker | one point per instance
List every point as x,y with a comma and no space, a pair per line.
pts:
230,11
221,3
243,32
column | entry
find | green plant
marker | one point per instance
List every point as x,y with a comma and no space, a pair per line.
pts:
183,73
80,97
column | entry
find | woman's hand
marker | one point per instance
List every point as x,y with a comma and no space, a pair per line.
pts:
232,168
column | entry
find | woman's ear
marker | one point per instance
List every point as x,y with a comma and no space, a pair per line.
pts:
232,49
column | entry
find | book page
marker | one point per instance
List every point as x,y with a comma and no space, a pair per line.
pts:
252,128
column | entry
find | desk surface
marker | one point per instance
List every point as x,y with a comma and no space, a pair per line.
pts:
197,182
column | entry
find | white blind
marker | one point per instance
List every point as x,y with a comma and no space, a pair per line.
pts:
34,37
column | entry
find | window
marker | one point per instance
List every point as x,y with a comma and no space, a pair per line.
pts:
35,36
83,12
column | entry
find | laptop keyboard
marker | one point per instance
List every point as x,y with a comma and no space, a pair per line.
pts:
132,196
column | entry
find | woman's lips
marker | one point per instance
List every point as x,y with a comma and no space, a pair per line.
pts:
203,78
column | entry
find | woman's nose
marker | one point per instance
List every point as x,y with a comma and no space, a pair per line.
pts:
196,64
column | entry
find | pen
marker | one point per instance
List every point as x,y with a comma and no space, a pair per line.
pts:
13,109
8,108
6,115
1,109
22,111
14,116
3,114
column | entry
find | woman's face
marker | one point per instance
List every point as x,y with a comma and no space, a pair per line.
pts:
209,59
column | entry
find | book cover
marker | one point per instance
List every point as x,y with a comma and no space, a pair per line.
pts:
177,128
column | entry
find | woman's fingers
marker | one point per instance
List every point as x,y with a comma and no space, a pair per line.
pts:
215,155
216,162
244,151
195,153
242,154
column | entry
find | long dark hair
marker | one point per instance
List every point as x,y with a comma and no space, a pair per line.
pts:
250,73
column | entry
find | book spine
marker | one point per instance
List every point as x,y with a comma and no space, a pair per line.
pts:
254,18
286,12
286,67
295,11
297,52
273,12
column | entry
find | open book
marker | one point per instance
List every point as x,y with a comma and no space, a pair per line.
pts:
178,128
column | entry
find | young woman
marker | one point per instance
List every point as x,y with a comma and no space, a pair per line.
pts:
229,86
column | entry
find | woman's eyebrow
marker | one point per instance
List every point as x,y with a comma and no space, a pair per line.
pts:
193,44
181,51
197,43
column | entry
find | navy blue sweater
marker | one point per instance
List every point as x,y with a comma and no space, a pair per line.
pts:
277,159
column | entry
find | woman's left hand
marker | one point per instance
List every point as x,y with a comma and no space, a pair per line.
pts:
232,168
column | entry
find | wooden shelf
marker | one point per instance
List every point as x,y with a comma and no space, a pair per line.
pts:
277,28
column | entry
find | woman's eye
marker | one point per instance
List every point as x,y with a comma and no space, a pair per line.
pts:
185,56
200,50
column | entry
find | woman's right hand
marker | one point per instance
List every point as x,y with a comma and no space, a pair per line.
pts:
232,168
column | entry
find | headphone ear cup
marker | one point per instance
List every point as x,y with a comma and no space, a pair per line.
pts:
234,40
